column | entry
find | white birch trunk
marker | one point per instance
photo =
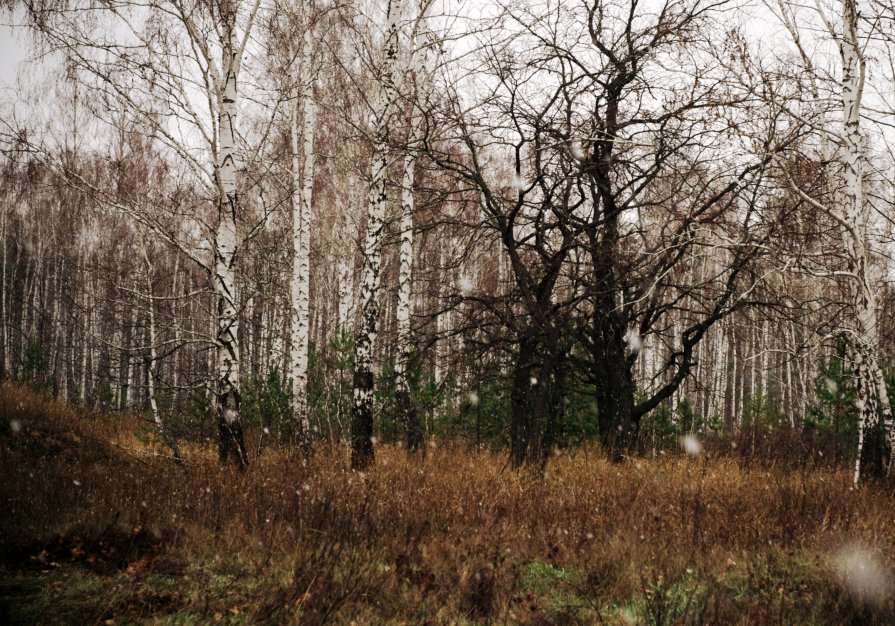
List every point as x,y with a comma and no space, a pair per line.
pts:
4,316
413,433
227,402
720,381
49,298
806,376
175,324
871,397
152,366
346,295
362,407
676,396
302,190
752,366
32,272
85,343
128,367
405,275
441,319
734,381
790,405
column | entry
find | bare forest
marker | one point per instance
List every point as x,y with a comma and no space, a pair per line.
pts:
431,312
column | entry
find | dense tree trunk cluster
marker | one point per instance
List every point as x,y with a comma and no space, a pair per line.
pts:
614,223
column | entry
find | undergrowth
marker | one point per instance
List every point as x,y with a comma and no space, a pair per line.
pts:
99,527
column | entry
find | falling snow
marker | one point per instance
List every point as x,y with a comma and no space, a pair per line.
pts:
832,387
863,575
635,342
603,202
691,445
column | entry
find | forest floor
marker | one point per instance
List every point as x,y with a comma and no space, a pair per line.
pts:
98,527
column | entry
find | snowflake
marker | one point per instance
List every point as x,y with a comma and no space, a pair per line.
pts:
635,342
832,387
863,575
691,445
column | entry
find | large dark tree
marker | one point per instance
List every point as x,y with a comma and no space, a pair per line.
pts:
629,200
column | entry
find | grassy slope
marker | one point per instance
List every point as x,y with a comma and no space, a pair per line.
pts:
96,527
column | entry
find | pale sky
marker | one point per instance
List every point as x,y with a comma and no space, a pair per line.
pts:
13,49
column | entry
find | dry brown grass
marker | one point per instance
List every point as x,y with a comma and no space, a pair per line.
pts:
126,535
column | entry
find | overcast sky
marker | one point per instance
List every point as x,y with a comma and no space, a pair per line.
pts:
13,49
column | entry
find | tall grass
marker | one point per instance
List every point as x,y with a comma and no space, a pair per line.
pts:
127,535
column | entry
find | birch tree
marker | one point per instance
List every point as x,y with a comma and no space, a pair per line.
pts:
153,357
875,438
419,85
173,69
302,125
380,120
226,243
404,313
843,149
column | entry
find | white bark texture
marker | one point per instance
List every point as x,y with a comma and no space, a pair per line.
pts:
5,364
405,275
152,365
418,84
302,191
346,294
404,312
362,408
225,250
871,397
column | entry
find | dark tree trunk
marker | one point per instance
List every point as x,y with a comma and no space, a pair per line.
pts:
413,431
614,387
520,403
362,420
555,417
534,403
873,452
